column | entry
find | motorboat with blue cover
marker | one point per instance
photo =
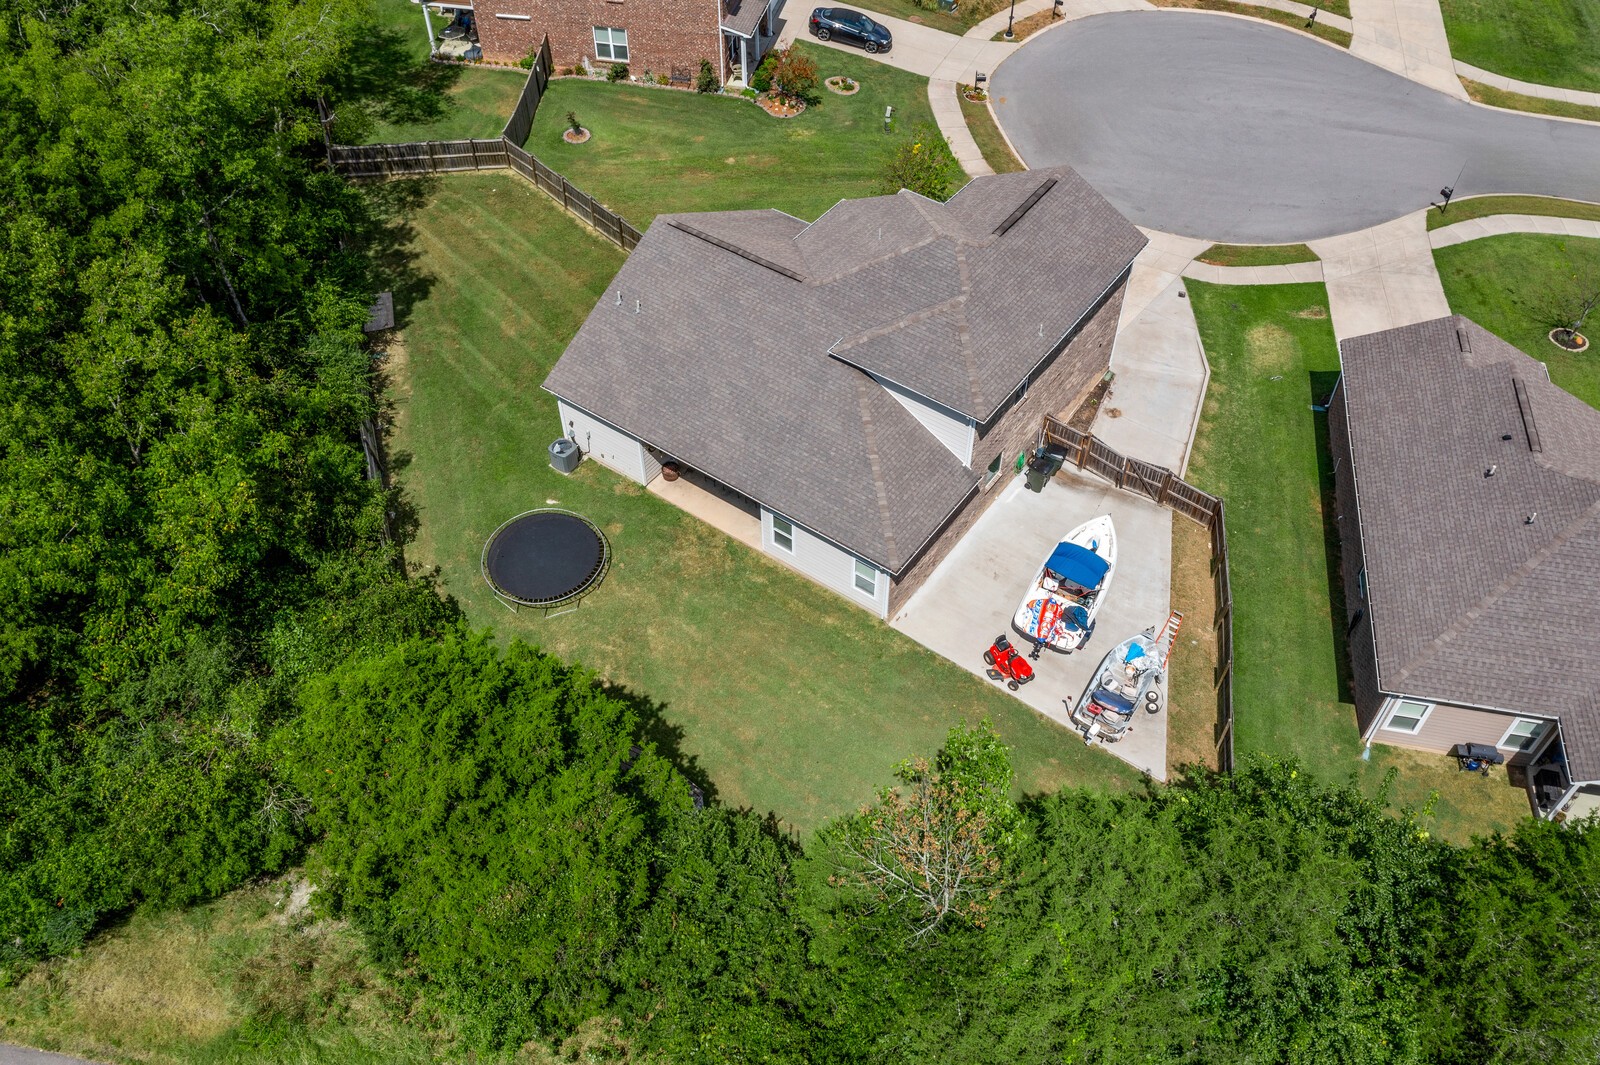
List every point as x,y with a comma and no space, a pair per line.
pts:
1059,608
1132,676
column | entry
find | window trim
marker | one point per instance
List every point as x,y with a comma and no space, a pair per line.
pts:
610,44
787,534
857,575
992,472
1394,707
1361,582
1538,723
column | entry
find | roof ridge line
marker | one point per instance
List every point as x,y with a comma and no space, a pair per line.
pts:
921,314
871,431
1498,592
885,257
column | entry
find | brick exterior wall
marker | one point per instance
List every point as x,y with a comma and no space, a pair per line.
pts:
1059,384
662,34
1362,649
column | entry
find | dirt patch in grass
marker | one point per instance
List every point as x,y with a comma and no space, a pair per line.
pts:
1267,14
1191,729
1516,101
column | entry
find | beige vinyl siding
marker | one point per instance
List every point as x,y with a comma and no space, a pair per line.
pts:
952,429
1449,725
826,563
607,445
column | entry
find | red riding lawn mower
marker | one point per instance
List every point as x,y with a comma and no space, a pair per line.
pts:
1005,664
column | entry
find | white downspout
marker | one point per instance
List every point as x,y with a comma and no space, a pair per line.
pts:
433,45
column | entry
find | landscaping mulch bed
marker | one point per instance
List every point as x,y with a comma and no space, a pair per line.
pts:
778,107
1083,417
843,86
580,137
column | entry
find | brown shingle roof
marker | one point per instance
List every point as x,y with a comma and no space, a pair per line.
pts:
726,363
1470,602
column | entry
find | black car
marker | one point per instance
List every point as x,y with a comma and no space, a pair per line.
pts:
841,23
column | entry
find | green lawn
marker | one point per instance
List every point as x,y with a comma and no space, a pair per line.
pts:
968,14
391,93
1264,451
1522,285
1547,42
1484,206
662,150
1257,254
981,124
779,694
1516,101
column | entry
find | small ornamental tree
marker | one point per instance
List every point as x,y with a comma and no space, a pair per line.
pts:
707,81
794,75
924,165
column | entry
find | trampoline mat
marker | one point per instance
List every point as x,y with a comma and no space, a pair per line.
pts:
544,557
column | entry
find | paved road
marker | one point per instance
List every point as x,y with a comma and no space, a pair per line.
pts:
1235,130
15,1055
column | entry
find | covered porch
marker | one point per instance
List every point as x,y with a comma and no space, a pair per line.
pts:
729,512
1553,792
749,28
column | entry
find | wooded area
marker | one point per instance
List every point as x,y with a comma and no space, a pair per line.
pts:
213,668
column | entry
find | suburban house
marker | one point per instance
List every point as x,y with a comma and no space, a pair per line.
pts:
1468,499
858,382
668,37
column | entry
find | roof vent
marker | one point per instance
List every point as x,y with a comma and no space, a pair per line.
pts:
1525,405
1531,518
1461,340
1490,471
750,256
1027,205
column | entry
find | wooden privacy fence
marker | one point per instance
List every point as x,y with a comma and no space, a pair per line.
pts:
1088,452
444,157
521,120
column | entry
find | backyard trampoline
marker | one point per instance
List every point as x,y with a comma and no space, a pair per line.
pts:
547,558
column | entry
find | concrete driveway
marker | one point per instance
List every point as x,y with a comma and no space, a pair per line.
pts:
1231,129
970,598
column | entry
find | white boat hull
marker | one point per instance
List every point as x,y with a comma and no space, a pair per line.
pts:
1051,614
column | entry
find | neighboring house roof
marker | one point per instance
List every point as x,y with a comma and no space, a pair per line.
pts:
742,16
1471,603
718,351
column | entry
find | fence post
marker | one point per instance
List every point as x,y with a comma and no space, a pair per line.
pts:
1166,486
1083,449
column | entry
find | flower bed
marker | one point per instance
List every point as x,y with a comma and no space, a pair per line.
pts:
843,86
780,106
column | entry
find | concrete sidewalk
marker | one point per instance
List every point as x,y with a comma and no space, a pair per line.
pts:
1501,224
1381,278
1160,365
1407,37
1287,274
1527,88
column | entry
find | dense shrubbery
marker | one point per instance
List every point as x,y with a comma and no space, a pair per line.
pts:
184,525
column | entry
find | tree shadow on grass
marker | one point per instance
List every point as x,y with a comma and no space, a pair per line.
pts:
1321,383
665,736
387,82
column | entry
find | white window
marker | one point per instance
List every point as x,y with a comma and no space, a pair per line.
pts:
1407,716
1523,734
782,534
611,44
1361,582
867,578
992,472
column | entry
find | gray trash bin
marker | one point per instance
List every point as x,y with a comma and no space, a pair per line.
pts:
564,456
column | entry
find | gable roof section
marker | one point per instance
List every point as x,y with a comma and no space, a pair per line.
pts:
995,303
1470,602
726,361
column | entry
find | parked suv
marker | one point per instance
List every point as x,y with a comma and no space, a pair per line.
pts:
843,24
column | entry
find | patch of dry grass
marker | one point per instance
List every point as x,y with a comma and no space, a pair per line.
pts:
1192,705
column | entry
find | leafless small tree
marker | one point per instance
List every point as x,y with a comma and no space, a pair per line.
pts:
1570,310
926,849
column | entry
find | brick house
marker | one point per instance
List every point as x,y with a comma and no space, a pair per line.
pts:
859,383
659,36
1467,491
